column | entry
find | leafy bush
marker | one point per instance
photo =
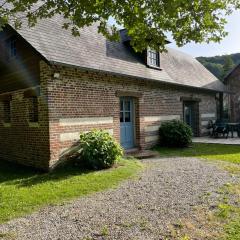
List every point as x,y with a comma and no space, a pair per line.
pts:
98,150
175,133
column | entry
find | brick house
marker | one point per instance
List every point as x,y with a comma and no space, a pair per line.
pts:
54,86
232,100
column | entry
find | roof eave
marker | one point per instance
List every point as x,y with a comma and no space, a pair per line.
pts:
138,77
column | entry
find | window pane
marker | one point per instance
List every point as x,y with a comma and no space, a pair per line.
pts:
153,58
13,49
33,109
121,116
121,105
127,117
157,60
127,105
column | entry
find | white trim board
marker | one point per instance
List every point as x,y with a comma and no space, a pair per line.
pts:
85,121
161,118
152,128
151,138
73,136
208,115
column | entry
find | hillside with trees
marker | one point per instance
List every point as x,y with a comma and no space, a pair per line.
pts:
220,66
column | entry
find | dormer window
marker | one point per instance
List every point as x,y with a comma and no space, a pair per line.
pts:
153,58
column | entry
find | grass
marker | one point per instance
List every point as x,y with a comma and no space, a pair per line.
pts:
230,156
233,229
23,190
230,212
228,153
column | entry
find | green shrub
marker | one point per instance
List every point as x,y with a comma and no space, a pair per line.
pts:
175,133
98,150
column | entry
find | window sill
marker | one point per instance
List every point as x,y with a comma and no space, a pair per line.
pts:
7,125
33,124
154,67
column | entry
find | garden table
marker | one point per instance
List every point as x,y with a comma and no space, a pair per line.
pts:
233,127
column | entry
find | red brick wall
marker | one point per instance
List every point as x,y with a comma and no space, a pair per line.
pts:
83,94
22,141
79,101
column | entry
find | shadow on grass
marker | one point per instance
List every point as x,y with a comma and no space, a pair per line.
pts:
10,171
22,176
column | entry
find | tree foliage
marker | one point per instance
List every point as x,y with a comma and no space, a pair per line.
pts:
220,66
228,66
147,21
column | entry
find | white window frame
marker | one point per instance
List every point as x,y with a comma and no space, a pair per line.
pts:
152,61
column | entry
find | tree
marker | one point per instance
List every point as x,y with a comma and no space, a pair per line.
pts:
147,21
228,66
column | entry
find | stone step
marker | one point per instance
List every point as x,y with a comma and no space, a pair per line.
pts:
141,154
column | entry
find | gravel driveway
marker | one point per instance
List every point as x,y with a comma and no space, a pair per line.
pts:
170,189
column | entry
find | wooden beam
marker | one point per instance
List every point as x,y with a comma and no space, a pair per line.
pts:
128,94
5,97
190,99
33,92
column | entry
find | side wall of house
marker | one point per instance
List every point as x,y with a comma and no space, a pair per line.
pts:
80,101
233,85
20,71
21,140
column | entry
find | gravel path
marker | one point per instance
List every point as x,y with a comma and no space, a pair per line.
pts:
168,190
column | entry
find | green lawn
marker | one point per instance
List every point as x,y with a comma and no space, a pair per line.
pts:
23,190
228,153
230,213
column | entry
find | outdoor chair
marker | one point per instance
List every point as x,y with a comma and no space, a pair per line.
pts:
220,127
210,127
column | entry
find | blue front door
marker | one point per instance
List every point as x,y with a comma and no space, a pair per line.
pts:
126,122
191,115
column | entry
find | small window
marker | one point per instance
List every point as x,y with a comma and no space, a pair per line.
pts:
33,109
153,58
13,48
7,111
11,44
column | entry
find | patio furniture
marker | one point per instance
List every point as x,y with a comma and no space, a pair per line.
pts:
234,127
220,127
210,127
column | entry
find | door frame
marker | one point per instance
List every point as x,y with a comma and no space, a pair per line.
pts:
133,115
196,119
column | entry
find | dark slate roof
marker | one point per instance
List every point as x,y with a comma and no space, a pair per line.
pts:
92,51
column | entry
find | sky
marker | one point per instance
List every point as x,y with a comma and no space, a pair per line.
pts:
230,44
